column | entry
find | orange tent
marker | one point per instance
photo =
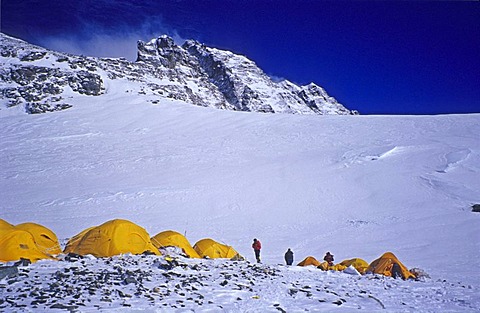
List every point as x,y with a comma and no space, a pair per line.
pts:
359,264
309,260
384,265
337,267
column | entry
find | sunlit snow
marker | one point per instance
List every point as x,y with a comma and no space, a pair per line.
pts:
357,186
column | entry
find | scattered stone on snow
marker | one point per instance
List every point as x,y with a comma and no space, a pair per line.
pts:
187,284
8,271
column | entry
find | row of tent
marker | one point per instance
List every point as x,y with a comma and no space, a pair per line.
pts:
36,242
388,265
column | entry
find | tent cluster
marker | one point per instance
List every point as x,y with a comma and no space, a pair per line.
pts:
35,242
388,265
204,248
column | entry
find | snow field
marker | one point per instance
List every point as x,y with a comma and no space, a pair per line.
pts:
357,186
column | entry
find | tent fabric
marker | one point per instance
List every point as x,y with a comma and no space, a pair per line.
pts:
4,224
359,264
44,238
16,244
170,238
309,260
75,240
209,248
384,264
112,238
337,267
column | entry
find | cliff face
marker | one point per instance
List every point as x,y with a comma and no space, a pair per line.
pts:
41,80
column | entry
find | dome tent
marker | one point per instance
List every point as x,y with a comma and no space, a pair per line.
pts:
75,240
211,249
170,238
111,238
44,238
5,225
337,267
387,264
359,264
16,244
309,260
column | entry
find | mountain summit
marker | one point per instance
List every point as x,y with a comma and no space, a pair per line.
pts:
40,80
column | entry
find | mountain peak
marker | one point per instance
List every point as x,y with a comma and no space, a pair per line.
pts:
165,41
191,43
194,73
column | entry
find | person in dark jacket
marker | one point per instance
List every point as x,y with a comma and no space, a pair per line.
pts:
256,245
329,258
289,257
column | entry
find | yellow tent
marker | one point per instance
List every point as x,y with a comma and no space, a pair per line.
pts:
4,224
16,244
337,267
75,240
384,265
309,260
212,249
170,238
359,264
112,238
45,239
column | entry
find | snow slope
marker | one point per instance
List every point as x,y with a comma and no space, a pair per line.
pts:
357,186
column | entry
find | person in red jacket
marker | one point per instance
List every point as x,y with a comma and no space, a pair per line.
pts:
256,245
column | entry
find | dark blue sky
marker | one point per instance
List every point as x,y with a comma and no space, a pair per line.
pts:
379,57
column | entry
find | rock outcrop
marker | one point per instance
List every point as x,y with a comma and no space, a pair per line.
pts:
41,80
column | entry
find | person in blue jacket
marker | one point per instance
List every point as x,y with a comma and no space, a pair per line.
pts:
289,257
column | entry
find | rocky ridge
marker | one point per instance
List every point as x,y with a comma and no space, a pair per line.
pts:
41,80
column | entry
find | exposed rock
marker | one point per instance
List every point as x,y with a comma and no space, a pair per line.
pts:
23,262
192,72
8,271
476,208
33,56
73,257
64,307
86,83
